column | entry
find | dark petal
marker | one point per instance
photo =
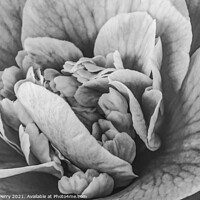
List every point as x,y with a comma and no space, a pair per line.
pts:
29,183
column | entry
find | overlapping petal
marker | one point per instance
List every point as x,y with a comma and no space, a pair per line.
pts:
174,172
32,182
173,27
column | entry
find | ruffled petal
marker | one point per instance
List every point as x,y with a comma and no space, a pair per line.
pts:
56,116
138,119
135,81
10,26
174,172
133,35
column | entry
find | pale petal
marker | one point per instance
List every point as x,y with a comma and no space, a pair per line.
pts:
25,146
133,35
10,27
55,118
51,53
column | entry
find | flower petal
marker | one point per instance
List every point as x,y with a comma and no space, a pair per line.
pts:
137,116
194,13
171,25
10,26
55,118
135,81
133,35
88,94
21,184
174,172
51,53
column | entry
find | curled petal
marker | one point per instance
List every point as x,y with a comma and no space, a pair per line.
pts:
135,81
139,123
151,104
26,147
58,122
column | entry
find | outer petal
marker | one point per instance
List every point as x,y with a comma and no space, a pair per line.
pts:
29,183
172,26
133,35
51,53
10,27
55,118
174,172
194,13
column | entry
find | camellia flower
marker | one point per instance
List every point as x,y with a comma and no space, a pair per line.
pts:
99,98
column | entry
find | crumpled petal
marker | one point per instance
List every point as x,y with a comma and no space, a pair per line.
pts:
119,144
133,35
138,120
56,116
73,185
10,26
51,53
90,184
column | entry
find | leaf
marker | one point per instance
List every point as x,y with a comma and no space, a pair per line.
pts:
133,35
10,26
29,183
